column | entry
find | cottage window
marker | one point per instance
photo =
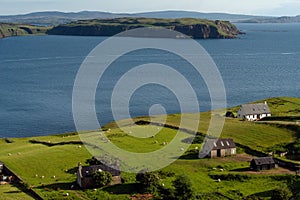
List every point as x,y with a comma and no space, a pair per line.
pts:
215,144
227,143
222,144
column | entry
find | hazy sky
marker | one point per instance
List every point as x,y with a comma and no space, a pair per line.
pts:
257,7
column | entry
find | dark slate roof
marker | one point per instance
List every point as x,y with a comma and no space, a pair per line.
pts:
256,109
220,144
90,170
263,161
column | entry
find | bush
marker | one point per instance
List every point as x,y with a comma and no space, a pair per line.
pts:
282,194
102,178
149,181
183,188
165,174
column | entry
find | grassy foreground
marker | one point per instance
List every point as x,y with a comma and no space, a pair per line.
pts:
48,164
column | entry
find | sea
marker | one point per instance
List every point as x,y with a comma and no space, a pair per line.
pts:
37,75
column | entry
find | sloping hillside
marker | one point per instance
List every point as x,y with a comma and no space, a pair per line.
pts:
8,30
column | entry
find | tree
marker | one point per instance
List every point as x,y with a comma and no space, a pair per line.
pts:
183,188
149,181
102,178
282,194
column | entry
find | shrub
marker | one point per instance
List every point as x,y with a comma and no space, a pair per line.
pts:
183,188
165,174
282,194
149,181
102,178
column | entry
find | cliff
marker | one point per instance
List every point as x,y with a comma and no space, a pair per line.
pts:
194,28
8,30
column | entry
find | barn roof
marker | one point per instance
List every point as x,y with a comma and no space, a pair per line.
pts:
90,170
255,109
263,161
215,144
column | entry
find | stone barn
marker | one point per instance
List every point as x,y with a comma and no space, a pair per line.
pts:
264,163
218,148
85,174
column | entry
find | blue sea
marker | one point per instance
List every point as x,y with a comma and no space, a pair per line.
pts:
37,74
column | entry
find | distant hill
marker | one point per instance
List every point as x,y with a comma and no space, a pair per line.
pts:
191,27
189,14
56,18
284,19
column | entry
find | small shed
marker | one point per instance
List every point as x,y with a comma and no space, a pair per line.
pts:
218,148
263,163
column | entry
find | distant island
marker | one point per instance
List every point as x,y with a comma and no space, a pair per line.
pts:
54,18
191,27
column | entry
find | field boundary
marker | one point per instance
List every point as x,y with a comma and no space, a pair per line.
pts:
28,191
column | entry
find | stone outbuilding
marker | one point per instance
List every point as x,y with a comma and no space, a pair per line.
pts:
85,174
218,148
263,163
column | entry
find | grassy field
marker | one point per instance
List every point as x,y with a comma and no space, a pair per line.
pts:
48,164
10,192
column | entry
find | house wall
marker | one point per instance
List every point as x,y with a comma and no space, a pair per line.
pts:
213,154
242,115
231,152
223,152
1,168
262,167
256,117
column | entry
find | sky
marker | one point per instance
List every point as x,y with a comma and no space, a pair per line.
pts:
253,7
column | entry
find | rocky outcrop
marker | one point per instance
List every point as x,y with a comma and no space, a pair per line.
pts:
204,29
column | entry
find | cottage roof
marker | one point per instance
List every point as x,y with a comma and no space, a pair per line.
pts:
263,161
255,109
90,170
220,144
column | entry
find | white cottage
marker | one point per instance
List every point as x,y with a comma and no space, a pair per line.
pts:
252,112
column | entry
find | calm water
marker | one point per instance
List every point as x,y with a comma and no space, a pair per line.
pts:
37,76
